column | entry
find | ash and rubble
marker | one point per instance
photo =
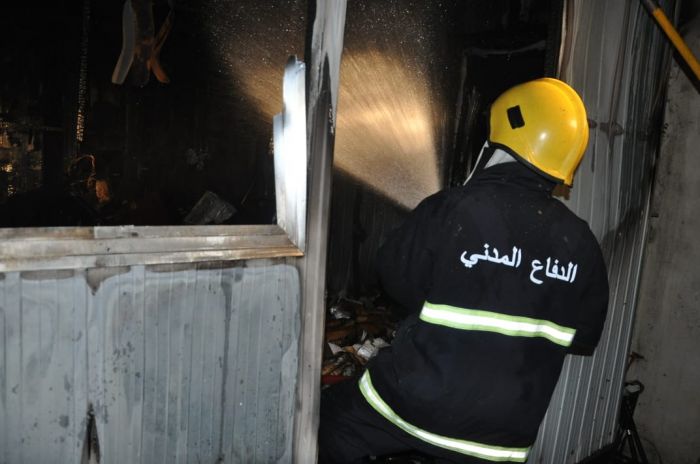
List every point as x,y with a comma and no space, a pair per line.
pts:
355,332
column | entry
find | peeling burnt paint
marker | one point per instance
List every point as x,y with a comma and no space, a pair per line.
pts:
96,276
174,267
47,275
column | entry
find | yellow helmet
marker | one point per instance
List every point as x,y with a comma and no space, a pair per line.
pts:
544,123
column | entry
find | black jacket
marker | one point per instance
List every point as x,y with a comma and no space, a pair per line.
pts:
489,384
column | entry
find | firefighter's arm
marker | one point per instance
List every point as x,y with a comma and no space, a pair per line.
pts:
405,260
592,309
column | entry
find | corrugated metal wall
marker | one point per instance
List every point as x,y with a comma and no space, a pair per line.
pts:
667,324
181,363
618,62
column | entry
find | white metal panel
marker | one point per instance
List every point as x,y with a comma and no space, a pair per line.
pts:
181,363
42,368
290,154
323,73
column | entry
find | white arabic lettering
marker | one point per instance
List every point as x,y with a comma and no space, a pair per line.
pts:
554,271
493,256
536,266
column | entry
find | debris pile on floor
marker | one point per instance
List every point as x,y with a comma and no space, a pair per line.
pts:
355,332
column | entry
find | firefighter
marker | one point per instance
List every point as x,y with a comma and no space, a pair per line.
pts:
500,281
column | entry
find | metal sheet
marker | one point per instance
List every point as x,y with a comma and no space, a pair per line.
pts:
76,248
618,62
43,375
323,73
290,154
182,363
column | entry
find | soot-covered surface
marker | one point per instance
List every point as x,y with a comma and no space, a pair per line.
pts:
150,151
416,83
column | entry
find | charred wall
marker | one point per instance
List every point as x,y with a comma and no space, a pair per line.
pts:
193,119
416,85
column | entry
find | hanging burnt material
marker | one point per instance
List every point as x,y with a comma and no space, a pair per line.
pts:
83,78
140,54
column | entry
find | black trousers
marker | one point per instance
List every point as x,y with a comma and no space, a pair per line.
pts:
351,430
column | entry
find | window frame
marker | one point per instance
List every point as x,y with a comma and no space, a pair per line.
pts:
54,248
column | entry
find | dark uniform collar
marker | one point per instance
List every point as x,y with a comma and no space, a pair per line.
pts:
517,174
